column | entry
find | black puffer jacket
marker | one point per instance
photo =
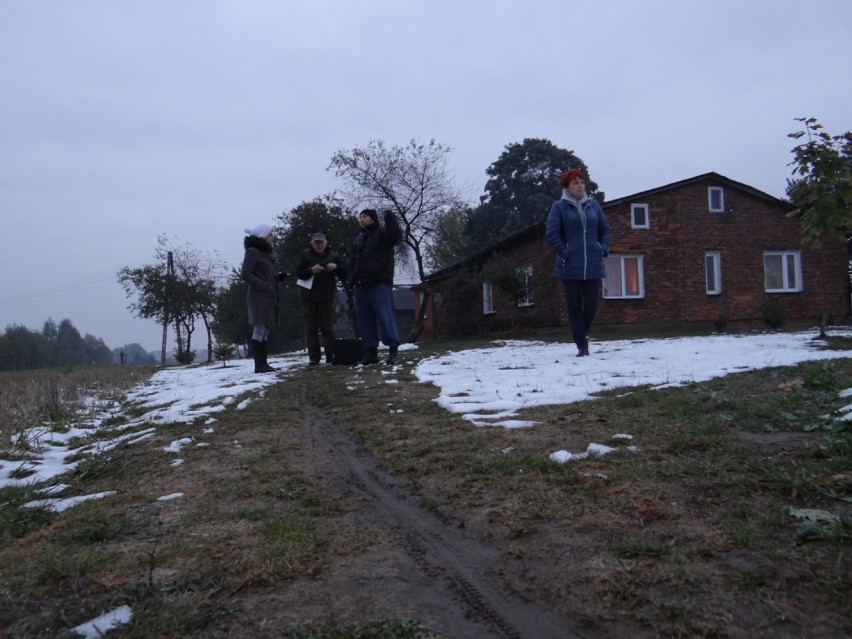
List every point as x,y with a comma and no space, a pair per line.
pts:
324,285
372,253
258,271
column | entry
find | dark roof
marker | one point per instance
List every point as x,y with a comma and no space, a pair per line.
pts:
712,177
705,177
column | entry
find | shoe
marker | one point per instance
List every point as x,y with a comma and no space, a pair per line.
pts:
371,356
585,347
313,363
392,352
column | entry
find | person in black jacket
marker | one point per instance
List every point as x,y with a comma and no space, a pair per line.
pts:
258,271
317,269
372,279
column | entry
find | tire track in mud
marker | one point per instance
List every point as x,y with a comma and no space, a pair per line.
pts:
452,563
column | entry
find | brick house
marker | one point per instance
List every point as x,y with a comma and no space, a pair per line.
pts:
706,250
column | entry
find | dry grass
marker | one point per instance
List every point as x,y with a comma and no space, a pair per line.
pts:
32,397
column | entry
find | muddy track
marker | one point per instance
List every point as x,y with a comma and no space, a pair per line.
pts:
458,575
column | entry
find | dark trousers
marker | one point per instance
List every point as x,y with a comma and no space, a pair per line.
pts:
318,317
582,298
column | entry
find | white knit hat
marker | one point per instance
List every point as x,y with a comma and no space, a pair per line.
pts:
261,231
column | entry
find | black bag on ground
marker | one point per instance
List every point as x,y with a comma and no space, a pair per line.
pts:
346,352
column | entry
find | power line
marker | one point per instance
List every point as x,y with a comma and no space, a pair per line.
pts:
58,291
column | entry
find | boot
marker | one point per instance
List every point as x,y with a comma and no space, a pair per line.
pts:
392,351
256,352
266,366
260,350
371,356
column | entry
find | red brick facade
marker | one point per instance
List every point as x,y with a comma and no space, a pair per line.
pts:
681,231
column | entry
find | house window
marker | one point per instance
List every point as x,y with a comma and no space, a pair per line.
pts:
713,272
525,293
624,277
639,216
487,298
782,271
716,199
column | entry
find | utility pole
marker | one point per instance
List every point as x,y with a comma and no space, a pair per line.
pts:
170,271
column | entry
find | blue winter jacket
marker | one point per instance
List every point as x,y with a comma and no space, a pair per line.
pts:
580,239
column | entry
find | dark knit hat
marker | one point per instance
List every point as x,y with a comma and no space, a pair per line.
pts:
371,213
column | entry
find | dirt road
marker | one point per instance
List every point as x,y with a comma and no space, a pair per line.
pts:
431,570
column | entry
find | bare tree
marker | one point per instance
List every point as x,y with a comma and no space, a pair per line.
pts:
414,180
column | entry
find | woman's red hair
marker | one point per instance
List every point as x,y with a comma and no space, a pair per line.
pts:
572,174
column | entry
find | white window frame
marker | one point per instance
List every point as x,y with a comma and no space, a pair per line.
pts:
713,272
789,268
525,273
615,267
646,212
719,192
487,298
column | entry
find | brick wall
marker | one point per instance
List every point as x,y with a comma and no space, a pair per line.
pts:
681,230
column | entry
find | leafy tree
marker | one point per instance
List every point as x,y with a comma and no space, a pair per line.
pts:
327,215
412,179
224,352
522,184
70,348
50,331
176,296
324,214
55,345
97,352
823,190
230,319
451,244
197,277
134,353
23,349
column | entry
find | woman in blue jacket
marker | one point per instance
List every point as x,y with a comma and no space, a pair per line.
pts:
578,232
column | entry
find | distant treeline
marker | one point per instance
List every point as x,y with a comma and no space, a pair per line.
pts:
61,345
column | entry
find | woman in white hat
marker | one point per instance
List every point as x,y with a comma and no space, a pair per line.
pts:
258,271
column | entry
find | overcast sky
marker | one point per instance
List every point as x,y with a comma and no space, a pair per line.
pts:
122,121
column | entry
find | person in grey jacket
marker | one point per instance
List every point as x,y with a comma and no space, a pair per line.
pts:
259,272
579,234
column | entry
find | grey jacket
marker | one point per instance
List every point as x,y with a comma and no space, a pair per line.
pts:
258,271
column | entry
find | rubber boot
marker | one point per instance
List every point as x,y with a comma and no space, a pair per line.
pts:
266,367
257,354
259,350
371,356
392,352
